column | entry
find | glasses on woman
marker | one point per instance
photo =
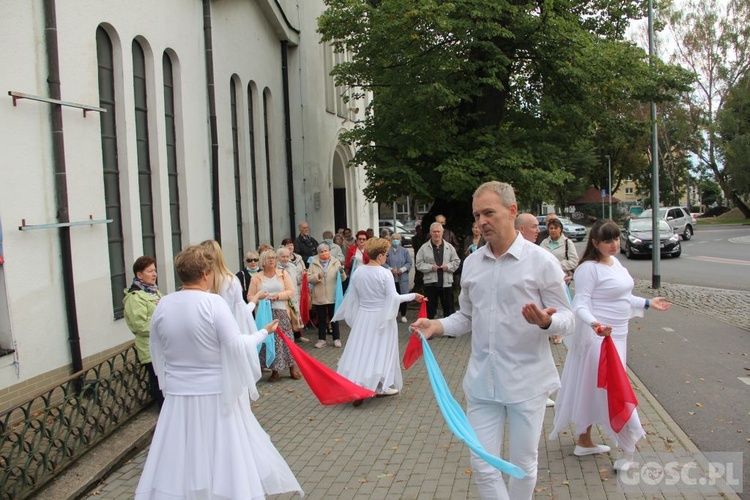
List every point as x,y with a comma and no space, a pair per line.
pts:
252,260
361,239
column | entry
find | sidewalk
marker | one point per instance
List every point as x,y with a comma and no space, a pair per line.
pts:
400,447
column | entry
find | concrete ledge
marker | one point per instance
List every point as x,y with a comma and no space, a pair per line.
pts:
80,477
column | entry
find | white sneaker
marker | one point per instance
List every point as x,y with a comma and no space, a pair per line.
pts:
337,343
390,391
581,451
304,339
403,319
624,462
550,403
320,344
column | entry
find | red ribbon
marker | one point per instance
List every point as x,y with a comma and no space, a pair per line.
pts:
328,386
304,301
621,400
414,348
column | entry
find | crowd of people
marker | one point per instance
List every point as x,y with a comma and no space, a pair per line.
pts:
515,298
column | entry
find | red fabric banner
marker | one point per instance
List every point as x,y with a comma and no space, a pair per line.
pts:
304,301
328,386
414,348
621,399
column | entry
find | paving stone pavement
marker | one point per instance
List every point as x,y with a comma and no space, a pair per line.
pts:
400,447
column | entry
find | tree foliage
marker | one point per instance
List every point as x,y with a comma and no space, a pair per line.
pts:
713,42
532,93
734,130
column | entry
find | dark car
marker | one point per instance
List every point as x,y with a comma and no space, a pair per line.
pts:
637,237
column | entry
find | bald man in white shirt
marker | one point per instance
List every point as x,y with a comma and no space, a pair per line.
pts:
512,299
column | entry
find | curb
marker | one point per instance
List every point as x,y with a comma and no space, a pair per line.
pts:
97,463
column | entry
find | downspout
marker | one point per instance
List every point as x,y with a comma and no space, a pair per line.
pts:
288,137
209,54
61,184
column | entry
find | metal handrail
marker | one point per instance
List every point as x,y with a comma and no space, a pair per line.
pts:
85,107
54,427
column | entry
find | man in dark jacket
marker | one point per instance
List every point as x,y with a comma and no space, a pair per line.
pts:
304,244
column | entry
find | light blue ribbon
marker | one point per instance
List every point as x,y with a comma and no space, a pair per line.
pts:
339,294
264,316
456,419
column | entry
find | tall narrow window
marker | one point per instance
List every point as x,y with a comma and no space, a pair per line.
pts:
143,150
171,140
110,169
253,174
237,176
267,144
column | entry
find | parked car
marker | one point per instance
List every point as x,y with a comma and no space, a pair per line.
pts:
637,237
572,230
406,235
542,220
679,219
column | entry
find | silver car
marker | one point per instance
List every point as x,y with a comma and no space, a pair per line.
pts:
679,219
572,230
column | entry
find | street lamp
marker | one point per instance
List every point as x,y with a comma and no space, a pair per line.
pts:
609,171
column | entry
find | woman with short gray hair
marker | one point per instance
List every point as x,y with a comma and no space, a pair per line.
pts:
322,274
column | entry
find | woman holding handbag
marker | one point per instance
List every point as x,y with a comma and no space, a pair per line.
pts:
280,289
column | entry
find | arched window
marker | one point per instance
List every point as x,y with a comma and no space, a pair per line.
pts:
267,144
110,169
253,173
236,161
146,197
171,143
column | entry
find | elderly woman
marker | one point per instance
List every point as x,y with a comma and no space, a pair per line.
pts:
561,247
140,301
356,255
398,262
371,358
280,289
334,242
284,258
295,258
564,250
322,274
207,443
247,272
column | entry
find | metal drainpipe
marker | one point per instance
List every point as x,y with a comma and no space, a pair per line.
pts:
212,119
288,137
61,184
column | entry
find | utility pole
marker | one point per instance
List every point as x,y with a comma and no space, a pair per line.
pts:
609,172
655,250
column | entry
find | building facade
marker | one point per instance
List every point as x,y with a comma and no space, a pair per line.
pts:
171,122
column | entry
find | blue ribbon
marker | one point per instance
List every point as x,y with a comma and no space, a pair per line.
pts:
456,419
339,294
263,316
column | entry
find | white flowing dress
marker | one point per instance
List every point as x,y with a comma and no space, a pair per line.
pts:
603,293
371,357
207,444
231,291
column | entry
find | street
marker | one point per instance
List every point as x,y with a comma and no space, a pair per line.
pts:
694,362
715,257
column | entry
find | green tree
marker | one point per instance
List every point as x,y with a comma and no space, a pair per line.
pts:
487,89
713,41
734,130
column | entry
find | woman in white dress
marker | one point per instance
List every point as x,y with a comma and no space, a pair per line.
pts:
603,305
228,286
207,443
371,357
